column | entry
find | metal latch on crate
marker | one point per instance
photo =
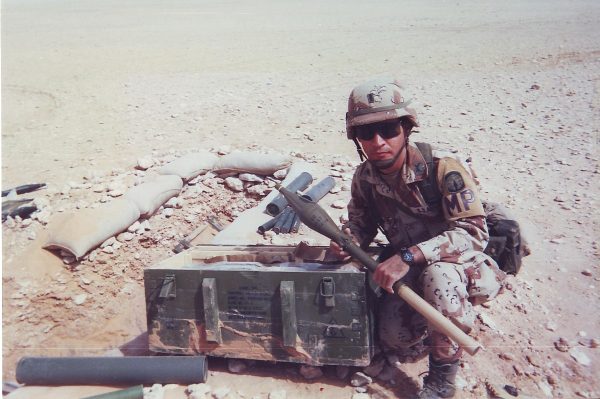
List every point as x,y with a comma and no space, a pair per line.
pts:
167,289
328,291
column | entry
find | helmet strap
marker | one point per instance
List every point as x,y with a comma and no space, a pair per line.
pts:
359,149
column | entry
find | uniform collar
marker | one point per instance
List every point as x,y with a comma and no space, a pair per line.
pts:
413,170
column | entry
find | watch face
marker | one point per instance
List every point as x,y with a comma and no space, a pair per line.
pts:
407,257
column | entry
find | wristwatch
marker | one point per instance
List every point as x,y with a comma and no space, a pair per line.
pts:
407,256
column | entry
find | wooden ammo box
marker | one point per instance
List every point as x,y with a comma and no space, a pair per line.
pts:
259,302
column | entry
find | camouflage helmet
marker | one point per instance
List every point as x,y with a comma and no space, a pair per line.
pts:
377,101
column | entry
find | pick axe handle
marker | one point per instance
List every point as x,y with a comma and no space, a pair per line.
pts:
435,318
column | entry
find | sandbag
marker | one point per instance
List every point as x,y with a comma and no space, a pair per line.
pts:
151,195
251,162
88,228
191,165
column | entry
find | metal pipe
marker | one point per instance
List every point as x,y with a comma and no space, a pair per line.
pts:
287,226
279,203
283,219
268,225
129,370
319,190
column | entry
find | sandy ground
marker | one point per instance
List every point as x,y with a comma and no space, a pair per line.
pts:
89,87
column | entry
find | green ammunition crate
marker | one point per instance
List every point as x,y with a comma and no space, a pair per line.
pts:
259,302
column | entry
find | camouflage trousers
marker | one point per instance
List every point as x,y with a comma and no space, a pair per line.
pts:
450,288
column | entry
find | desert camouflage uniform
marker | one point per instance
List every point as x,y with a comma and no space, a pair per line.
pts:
458,274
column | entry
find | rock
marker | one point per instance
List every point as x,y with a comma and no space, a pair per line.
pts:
31,235
115,193
108,242
561,344
155,392
279,394
310,372
146,225
506,356
335,190
361,395
144,163
108,250
342,372
98,188
125,236
67,260
221,393
587,272
580,357
280,174
224,150
552,380
134,227
533,361
487,321
167,212
10,222
79,299
550,326
173,202
198,391
259,189
236,365
249,177
360,379
339,204
234,184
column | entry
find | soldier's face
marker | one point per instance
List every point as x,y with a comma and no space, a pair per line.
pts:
383,144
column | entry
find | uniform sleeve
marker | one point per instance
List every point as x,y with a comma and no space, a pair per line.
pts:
361,220
464,213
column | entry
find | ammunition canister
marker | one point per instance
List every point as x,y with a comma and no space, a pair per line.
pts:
279,203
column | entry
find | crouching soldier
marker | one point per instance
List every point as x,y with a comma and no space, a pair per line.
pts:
430,211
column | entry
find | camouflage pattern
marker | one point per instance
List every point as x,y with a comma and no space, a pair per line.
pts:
377,101
458,274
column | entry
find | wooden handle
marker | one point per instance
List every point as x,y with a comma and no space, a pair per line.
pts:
437,320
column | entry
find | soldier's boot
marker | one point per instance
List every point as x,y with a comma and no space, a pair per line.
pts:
440,381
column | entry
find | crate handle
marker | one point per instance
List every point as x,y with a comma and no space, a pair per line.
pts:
211,310
328,291
288,313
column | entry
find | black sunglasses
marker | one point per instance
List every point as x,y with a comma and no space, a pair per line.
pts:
384,130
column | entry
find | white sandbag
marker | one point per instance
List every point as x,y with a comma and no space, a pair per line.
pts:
251,162
191,165
88,228
151,195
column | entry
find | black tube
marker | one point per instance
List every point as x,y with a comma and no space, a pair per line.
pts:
136,392
27,188
303,180
287,226
319,190
268,225
129,370
282,220
296,224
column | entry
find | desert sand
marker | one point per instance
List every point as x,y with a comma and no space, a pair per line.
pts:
90,87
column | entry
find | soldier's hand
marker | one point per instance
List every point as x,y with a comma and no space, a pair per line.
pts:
336,251
389,271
